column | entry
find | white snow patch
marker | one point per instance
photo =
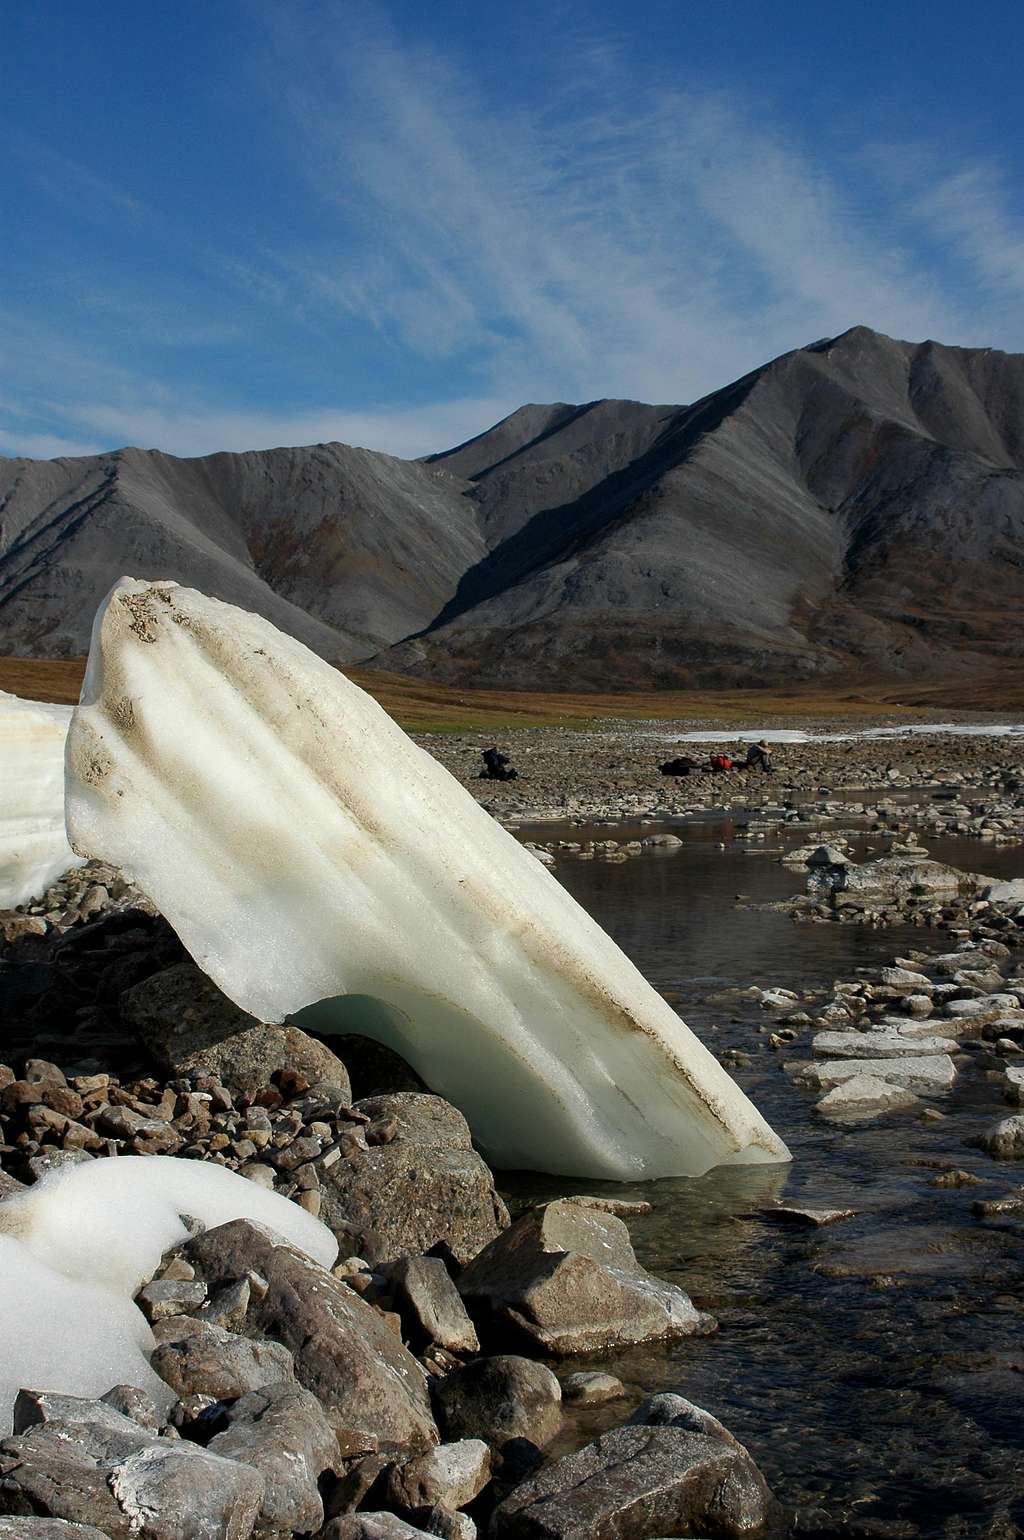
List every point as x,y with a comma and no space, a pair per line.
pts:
75,1248
305,849
866,734
34,849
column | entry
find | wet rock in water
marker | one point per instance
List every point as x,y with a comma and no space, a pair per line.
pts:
865,1096
878,1045
125,1481
565,1279
500,1399
791,1214
371,1387
1006,1140
929,1074
636,1482
430,1305
622,1208
427,1185
1013,1083
449,1476
1011,1203
281,1431
187,1024
589,1388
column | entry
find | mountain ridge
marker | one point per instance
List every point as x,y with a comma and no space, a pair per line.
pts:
853,506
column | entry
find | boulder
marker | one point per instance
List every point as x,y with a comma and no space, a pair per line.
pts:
636,1482
865,1096
371,1387
426,1185
127,1481
878,1045
1005,1141
499,1399
589,1388
892,880
187,1024
430,1305
565,1279
282,1432
370,1526
929,1074
195,1358
449,1476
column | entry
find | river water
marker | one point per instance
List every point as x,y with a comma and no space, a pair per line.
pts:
875,1368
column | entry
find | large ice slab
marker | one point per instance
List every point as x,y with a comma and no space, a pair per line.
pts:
307,851
34,849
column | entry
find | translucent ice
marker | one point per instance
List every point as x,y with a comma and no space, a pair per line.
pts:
75,1248
308,852
34,849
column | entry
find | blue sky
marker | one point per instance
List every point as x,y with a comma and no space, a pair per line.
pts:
231,224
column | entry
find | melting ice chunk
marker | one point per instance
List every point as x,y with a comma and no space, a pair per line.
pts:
75,1247
307,851
34,849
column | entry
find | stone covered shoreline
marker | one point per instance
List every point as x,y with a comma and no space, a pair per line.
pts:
408,1389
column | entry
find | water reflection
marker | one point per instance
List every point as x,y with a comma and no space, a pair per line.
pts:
876,1368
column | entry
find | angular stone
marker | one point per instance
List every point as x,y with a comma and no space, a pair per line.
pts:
589,1388
865,1096
430,1305
127,1482
1005,1141
282,1432
930,1074
812,1218
370,1526
878,1045
187,1024
195,1358
169,1296
637,1482
428,1185
499,1399
173,1490
1013,1084
371,1387
449,1476
565,1279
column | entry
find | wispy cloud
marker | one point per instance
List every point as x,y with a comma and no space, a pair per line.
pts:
648,243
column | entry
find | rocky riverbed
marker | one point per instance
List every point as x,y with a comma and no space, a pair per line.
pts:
492,1353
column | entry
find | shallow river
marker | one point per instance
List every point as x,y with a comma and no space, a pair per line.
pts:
875,1368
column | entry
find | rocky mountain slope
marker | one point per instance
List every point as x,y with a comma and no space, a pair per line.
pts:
854,507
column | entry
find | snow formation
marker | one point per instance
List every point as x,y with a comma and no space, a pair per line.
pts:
307,851
76,1246
34,849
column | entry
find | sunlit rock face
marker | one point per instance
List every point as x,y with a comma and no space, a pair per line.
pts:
34,849
307,851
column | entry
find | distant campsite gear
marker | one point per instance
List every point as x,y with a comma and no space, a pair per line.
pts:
721,762
681,766
497,767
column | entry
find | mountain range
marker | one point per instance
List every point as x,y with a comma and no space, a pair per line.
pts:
854,508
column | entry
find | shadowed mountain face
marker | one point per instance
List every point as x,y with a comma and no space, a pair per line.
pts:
855,507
